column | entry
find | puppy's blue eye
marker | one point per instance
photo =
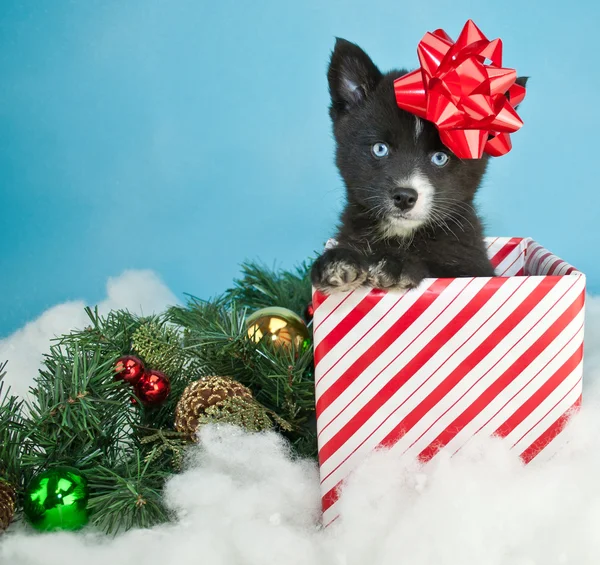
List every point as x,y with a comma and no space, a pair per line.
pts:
439,159
380,150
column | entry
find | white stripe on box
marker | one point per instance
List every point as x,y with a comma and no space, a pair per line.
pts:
490,242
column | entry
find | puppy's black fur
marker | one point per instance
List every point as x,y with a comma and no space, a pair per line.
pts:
379,242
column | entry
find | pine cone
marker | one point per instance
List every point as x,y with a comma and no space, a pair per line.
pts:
201,395
8,498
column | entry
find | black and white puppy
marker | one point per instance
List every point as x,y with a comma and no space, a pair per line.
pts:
409,212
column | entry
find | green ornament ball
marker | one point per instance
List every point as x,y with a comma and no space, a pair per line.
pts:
57,499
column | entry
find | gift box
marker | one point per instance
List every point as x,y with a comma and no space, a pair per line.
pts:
430,369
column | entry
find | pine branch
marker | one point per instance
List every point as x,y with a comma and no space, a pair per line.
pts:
216,336
164,442
79,415
161,347
127,498
11,433
260,287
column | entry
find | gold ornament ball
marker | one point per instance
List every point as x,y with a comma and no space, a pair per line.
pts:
200,395
280,327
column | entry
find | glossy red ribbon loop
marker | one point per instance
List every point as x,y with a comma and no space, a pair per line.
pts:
471,103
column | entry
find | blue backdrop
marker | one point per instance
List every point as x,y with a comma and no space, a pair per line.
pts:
186,135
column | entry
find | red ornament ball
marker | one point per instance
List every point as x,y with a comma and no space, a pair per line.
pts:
153,388
309,312
129,369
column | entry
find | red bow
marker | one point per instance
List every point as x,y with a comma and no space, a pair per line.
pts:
465,98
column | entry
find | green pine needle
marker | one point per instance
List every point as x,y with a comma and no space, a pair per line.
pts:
259,287
11,433
127,499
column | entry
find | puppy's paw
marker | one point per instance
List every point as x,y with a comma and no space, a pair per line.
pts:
338,270
390,274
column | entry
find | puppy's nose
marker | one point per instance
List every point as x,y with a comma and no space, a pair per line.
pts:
405,198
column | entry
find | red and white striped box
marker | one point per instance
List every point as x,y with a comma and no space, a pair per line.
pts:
429,369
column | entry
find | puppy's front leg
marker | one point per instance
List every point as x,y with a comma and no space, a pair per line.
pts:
390,272
339,270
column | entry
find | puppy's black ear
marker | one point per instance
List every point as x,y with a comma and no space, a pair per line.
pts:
522,81
352,76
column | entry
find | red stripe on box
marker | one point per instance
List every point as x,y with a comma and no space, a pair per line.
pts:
471,361
318,298
542,442
505,251
347,323
523,412
330,313
487,396
330,497
555,265
398,380
382,344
